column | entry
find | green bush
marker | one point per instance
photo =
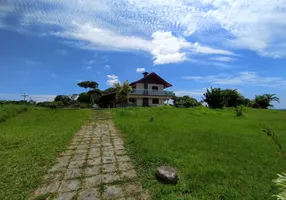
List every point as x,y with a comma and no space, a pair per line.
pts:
238,111
185,102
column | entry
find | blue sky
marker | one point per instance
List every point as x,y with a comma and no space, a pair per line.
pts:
48,46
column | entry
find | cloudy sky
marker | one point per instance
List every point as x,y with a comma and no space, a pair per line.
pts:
48,46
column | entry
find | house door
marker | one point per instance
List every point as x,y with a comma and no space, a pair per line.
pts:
145,102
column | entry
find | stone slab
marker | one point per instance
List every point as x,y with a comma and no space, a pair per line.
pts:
65,196
113,192
91,182
69,185
89,194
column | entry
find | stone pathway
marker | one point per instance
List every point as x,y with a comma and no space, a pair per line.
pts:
95,166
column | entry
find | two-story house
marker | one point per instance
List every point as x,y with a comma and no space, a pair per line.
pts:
148,91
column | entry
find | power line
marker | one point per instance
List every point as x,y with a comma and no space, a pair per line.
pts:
24,95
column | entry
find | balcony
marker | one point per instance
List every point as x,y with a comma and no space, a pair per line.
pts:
152,93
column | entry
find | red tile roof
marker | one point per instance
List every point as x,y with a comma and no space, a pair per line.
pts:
153,78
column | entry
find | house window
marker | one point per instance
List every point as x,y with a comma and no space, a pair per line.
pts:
155,101
132,100
155,88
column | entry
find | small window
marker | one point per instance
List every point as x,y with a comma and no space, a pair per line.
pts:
131,100
155,101
155,88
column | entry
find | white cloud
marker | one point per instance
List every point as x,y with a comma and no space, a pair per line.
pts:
223,59
140,70
128,25
62,52
111,79
104,39
242,78
208,50
168,48
198,92
106,67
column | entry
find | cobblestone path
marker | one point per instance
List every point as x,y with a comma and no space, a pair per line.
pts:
95,166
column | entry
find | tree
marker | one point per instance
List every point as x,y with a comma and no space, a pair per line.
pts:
88,84
109,90
264,101
246,101
215,98
62,98
185,102
233,98
94,95
122,92
83,98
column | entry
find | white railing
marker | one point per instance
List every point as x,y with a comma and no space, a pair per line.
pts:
152,92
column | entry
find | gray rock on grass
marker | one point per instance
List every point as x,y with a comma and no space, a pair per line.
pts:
167,174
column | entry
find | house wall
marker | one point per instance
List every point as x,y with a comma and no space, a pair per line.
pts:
140,86
161,102
139,101
160,86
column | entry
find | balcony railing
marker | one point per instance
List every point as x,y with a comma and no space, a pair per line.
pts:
152,92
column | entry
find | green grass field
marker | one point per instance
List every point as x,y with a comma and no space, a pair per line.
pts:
217,155
29,144
7,111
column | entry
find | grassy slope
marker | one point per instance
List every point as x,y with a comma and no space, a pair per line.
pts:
218,156
29,144
7,111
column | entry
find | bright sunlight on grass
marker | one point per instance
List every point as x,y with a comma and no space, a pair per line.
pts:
29,144
218,155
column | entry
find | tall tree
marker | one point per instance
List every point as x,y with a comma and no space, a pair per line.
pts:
109,90
122,92
215,98
88,84
233,98
94,95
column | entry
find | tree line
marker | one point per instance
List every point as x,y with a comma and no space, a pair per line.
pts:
213,97
93,94
220,98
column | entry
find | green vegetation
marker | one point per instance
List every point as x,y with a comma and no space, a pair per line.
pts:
218,155
122,92
7,111
29,144
220,98
185,102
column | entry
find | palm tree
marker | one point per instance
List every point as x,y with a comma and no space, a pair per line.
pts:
264,100
272,97
122,92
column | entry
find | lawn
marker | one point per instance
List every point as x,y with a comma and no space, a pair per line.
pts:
7,111
29,144
217,155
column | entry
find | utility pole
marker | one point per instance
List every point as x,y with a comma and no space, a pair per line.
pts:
24,95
